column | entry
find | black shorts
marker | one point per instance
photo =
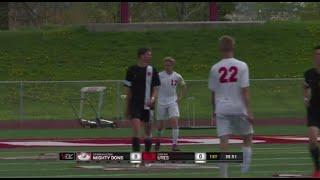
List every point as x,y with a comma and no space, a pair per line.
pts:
138,112
313,116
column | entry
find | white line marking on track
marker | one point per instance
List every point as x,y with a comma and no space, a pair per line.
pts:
147,174
231,165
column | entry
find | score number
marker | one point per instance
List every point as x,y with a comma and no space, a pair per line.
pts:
200,157
135,157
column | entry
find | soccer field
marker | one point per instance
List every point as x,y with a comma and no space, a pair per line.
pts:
269,158
40,68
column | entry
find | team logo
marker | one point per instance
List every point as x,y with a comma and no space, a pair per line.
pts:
82,156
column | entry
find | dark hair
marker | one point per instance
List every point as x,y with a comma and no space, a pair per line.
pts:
317,47
142,51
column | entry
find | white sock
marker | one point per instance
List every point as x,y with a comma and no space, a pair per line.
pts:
175,136
247,153
223,170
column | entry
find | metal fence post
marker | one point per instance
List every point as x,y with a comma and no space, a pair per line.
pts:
21,105
118,101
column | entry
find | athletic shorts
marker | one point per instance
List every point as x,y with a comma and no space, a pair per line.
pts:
165,112
233,125
138,112
313,117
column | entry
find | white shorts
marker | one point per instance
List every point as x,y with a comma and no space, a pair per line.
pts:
165,112
233,125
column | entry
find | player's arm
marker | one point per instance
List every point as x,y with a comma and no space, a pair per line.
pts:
154,95
306,92
183,92
213,103
127,84
155,86
211,85
128,100
246,99
245,92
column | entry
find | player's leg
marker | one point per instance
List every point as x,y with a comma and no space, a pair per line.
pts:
313,148
224,143
174,115
147,129
313,116
162,116
241,126
160,129
135,138
247,153
224,132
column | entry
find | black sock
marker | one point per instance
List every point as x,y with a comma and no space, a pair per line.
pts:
135,144
315,156
147,144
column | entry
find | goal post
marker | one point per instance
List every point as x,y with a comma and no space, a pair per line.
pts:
93,89
98,121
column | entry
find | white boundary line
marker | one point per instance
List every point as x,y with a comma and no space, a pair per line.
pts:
70,162
144,174
253,165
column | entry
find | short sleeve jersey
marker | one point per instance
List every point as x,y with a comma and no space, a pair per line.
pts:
226,79
312,81
136,81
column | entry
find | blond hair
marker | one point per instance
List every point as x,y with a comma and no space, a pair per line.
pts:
169,59
226,43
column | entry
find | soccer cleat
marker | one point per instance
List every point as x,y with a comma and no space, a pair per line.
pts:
157,146
316,174
175,147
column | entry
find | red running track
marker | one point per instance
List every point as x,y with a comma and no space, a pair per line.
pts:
71,124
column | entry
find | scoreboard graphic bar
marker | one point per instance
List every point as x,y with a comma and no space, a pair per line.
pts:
162,157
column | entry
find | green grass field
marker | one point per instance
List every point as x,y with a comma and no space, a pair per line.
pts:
268,159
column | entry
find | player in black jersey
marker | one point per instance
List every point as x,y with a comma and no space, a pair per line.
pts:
142,81
312,103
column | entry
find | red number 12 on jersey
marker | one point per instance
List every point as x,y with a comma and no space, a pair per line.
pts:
174,82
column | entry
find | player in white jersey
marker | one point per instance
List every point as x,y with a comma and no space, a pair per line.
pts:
229,84
168,100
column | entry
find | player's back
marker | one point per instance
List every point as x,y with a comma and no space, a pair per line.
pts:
227,78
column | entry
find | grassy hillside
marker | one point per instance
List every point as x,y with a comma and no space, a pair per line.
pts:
271,50
68,53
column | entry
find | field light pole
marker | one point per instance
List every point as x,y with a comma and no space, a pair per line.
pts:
124,12
213,11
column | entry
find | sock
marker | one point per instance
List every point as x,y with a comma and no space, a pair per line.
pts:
135,144
315,157
223,170
247,154
175,136
147,144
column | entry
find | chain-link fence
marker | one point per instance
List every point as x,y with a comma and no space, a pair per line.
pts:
36,14
51,100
